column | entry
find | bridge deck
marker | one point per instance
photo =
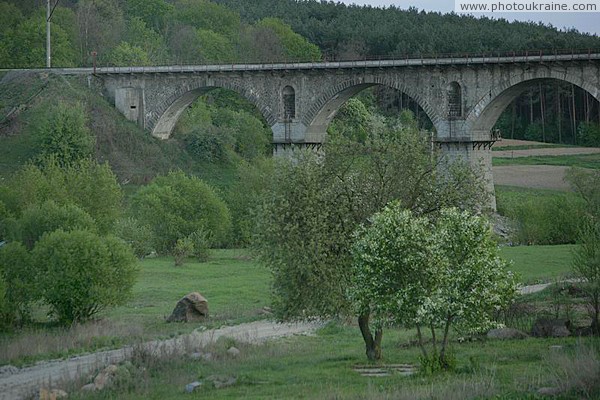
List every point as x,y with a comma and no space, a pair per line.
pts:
362,64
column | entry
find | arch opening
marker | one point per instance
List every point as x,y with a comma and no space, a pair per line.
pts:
222,126
388,100
171,109
546,109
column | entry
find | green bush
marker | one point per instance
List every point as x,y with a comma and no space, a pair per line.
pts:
5,316
48,217
588,134
85,183
64,134
176,205
138,236
18,275
80,273
200,241
182,250
211,145
542,217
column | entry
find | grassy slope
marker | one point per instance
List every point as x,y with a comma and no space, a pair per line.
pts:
133,154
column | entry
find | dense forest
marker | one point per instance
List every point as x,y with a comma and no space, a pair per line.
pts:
155,32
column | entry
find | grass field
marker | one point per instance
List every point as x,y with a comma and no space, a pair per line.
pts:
315,367
536,264
582,161
236,287
321,367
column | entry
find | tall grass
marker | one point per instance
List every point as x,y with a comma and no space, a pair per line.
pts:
541,216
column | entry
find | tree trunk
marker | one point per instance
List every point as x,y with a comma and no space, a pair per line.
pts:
542,113
559,113
573,115
421,343
372,344
443,361
514,117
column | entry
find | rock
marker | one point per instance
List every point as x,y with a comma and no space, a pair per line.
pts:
8,370
196,356
53,394
90,387
220,382
190,387
233,351
191,308
545,327
556,348
506,333
208,357
267,311
106,377
549,391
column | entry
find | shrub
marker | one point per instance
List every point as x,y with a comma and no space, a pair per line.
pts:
182,250
5,316
176,205
87,184
542,218
48,217
19,278
210,145
81,273
64,134
588,134
200,244
138,236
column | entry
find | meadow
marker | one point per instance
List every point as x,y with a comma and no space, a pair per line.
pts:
315,366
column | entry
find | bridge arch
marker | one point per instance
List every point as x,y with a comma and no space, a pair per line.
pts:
488,109
167,113
321,113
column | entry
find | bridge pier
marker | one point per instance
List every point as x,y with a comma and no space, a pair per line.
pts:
457,141
290,135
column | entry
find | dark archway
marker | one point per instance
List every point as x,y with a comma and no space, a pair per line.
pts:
486,112
323,111
170,110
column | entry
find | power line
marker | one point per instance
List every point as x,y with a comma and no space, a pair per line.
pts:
52,12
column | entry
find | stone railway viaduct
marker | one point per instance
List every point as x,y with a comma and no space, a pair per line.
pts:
463,96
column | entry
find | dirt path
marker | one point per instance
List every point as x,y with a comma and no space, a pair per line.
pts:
532,176
16,384
550,151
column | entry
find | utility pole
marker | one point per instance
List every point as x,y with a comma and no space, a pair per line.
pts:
49,12
48,50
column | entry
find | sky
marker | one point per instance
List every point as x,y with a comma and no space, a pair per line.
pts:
583,22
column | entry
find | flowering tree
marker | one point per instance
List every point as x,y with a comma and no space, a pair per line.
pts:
408,271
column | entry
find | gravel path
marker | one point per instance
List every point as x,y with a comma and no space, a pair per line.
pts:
16,384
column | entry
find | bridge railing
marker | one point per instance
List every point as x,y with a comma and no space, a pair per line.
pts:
329,61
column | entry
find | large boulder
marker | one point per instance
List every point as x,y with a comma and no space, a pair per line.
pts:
191,308
545,327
